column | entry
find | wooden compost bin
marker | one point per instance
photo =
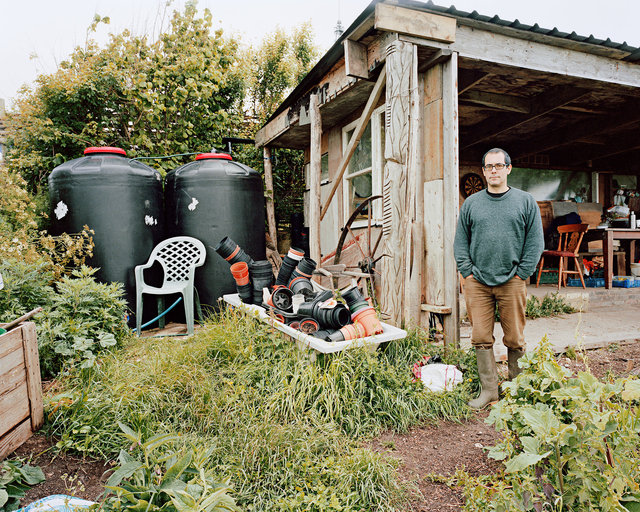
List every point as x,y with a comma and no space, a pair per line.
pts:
21,411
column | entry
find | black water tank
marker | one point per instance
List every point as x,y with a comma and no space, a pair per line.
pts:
121,200
209,199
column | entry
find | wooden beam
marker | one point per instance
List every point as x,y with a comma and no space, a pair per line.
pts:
468,78
415,250
606,148
355,59
393,18
315,171
32,367
506,102
542,104
451,195
273,129
268,184
397,194
440,56
434,308
629,115
491,47
355,138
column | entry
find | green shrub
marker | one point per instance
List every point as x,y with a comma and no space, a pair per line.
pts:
569,443
85,318
26,287
550,305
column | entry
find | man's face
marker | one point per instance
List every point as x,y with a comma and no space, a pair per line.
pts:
496,178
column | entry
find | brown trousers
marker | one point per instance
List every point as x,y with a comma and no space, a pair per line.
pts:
481,300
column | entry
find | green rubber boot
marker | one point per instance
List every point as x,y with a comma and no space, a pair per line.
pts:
512,357
488,379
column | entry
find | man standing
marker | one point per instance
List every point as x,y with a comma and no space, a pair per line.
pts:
498,243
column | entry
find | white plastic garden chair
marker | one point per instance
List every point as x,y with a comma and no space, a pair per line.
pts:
179,256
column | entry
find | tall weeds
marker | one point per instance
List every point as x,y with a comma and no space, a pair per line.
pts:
283,428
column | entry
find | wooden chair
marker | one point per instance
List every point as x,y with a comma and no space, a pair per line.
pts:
568,247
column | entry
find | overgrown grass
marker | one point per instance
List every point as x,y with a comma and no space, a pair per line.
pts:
286,430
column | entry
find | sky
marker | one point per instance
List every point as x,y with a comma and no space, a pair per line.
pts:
35,35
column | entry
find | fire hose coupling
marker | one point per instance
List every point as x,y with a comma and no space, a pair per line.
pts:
330,313
289,263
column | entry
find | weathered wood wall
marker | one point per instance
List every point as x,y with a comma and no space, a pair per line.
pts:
21,411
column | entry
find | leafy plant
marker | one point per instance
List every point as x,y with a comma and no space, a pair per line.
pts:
550,305
569,443
26,286
15,479
153,476
85,318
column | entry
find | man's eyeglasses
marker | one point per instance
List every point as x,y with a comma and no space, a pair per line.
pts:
498,167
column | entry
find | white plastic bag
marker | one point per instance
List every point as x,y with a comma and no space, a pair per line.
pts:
440,377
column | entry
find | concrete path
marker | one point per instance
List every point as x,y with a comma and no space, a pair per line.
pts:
604,317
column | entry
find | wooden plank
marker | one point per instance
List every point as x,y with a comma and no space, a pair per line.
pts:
433,167
440,56
10,342
355,59
14,407
628,115
11,361
434,241
506,102
12,379
496,48
426,25
468,78
451,193
400,64
541,105
355,138
315,171
15,438
415,251
433,308
268,183
273,129
34,384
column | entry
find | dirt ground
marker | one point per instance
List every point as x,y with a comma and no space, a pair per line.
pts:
438,449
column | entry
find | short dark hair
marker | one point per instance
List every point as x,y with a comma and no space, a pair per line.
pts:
507,158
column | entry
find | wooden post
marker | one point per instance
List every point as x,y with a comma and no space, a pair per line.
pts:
400,65
415,196
451,178
268,181
315,171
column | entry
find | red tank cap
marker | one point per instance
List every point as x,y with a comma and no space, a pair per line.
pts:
105,149
209,156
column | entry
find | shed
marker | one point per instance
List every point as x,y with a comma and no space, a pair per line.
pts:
405,104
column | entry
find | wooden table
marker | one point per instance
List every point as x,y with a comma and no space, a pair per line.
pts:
608,235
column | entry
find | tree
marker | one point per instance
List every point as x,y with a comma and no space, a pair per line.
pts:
180,93
273,70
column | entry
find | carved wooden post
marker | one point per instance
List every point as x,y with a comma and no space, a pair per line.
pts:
315,170
400,65
268,182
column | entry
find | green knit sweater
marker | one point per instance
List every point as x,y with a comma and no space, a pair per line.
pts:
499,237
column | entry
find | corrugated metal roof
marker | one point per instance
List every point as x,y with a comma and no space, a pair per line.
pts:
336,51
536,29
